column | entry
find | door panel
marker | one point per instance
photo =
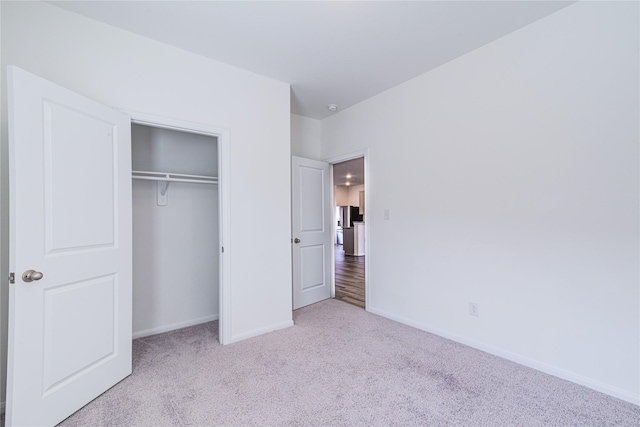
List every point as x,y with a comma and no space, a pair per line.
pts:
91,300
312,226
313,265
312,187
82,216
70,219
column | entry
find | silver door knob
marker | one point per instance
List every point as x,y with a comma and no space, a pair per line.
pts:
31,275
296,240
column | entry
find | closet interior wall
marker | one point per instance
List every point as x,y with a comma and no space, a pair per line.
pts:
175,246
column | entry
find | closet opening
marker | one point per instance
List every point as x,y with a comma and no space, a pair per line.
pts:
176,229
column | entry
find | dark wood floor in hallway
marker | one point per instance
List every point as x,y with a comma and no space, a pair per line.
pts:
349,277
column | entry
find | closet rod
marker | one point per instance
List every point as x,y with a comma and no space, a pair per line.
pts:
198,181
174,177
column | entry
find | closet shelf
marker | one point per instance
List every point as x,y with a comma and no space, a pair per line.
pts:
174,177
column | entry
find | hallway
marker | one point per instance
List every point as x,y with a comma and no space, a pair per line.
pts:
349,278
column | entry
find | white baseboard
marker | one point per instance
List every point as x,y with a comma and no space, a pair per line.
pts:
260,331
174,326
522,360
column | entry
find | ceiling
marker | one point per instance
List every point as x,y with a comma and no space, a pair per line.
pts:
354,169
330,52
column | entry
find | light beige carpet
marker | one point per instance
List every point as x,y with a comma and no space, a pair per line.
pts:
339,365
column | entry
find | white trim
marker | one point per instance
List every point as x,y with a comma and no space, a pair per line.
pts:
224,212
223,136
349,156
517,358
174,326
364,153
261,331
334,231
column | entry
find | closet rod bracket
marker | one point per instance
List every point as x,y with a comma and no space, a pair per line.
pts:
163,186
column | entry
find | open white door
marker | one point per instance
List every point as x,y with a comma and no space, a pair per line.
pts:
70,201
312,240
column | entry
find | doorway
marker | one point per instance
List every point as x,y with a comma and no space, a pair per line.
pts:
220,138
350,243
175,229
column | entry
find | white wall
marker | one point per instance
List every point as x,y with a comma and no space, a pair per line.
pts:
305,137
175,247
123,70
511,177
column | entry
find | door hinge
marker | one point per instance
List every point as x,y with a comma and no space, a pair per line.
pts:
223,249
12,278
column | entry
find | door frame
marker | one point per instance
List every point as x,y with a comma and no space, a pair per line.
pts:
364,153
223,137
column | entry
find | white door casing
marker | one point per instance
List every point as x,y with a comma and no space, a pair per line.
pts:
70,218
223,137
311,225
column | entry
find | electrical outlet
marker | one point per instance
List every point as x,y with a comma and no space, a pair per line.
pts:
474,310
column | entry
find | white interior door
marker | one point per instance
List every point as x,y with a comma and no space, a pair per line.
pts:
312,231
70,201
